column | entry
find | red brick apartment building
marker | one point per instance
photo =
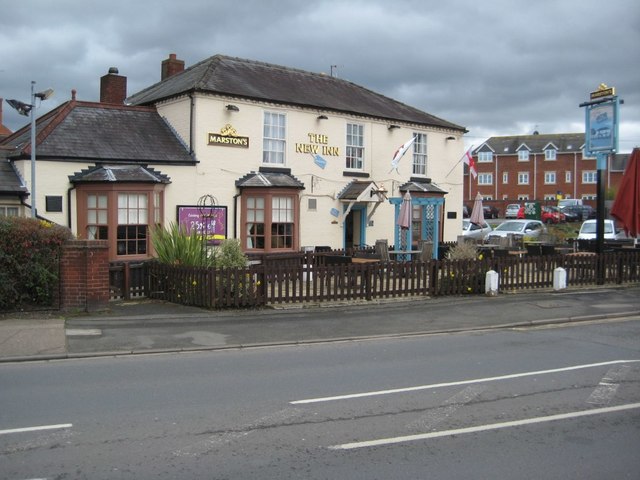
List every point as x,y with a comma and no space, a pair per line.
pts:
538,167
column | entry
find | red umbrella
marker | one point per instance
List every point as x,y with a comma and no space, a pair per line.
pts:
477,213
626,206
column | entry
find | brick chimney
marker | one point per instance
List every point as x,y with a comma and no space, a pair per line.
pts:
113,87
171,66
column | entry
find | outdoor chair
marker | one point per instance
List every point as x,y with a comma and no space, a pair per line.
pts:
426,250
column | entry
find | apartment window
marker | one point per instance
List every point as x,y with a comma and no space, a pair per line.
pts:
274,134
549,197
523,155
567,177
589,177
550,154
133,223
549,178
523,178
269,221
523,197
485,179
8,211
484,157
505,177
97,216
420,154
589,197
355,146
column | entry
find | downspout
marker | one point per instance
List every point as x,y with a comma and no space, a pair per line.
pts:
235,215
69,220
192,108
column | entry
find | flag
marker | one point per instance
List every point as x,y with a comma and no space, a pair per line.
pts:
400,153
468,159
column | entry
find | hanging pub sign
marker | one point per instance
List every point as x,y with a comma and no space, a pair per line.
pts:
601,121
228,137
210,221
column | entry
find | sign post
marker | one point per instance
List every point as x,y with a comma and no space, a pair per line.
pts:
601,140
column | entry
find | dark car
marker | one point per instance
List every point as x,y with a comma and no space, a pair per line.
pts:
490,211
578,213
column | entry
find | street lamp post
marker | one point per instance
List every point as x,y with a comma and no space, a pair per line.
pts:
29,109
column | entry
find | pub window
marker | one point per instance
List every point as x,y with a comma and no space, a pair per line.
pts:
97,217
420,154
270,221
133,218
355,146
8,211
274,138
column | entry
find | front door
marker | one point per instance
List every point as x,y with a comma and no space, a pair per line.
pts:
354,227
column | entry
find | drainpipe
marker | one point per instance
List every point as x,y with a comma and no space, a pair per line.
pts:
192,109
235,215
69,190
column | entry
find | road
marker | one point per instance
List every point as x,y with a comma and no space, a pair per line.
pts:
552,402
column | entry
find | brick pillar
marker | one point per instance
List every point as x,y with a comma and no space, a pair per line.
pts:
84,275
113,87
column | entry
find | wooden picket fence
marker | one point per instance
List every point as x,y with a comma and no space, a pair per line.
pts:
306,279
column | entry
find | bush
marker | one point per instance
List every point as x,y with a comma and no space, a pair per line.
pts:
463,251
29,258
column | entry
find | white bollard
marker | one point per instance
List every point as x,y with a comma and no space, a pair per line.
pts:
559,278
491,283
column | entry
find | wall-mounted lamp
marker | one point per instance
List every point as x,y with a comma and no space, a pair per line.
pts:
232,108
393,127
323,117
451,138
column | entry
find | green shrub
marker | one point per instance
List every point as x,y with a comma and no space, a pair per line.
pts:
29,258
175,247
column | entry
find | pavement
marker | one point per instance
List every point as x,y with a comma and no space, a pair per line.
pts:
149,326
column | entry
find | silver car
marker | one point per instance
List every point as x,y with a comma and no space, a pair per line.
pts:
512,210
473,230
526,228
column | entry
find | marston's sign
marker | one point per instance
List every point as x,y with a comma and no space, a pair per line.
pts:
603,91
228,137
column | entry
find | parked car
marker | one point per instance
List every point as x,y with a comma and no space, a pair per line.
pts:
528,228
490,211
550,215
512,210
473,230
465,212
578,213
588,230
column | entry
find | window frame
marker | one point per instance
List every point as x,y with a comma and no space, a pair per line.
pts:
354,151
589,177
485,157
112,191
523,155
266,232
523,178
274,134
550,154
550,178
420,157
485,178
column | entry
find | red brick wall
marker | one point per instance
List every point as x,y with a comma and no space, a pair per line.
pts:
84,275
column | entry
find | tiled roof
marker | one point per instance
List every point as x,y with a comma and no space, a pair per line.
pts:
90,131
254,80
10,182
563,142
422,186
120,174
270,179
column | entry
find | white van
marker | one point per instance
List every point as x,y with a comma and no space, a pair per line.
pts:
565,202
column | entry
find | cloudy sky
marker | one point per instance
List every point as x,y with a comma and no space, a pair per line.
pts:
500,67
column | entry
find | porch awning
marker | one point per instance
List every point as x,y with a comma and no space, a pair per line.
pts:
358,191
